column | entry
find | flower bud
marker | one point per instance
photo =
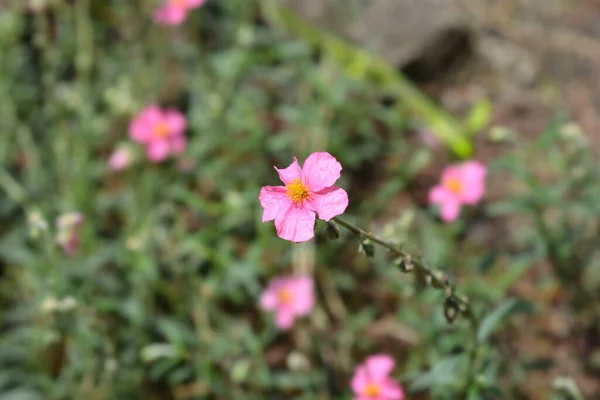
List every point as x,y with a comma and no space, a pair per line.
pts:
404,263
450,310
440,281
366,247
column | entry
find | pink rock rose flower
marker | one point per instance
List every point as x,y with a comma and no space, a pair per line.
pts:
371,380
120,159
289,297
174,12
308,191
461,184
161,131
68,232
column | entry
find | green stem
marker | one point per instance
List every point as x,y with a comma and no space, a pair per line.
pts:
438,280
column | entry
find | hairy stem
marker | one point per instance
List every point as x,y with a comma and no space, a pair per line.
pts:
437,279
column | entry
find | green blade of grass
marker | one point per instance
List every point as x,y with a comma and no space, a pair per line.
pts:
360,64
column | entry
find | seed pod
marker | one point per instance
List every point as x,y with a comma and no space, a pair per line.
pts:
440,281
450,310
405,263
366,247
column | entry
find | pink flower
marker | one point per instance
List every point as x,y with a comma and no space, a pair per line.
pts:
371,380
308,190
461,184
173,12
68,231
120,159
289,297
161,131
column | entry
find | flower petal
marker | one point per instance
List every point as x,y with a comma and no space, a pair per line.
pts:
321,170
473,179
290,173
391,390
158,150
439,195
284,319
170,14
274,202
120,159
195,3
268,300
450,209
303,295
329,202
359,380
175,121
140,129
451,173
296,224
379,367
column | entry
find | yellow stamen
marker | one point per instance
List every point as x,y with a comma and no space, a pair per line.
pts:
297,191
161,130
454,185
372,390
284,296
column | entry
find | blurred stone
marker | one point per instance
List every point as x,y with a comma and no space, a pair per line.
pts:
425,38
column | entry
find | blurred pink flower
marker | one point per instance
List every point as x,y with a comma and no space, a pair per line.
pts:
461,184
162,131
371,380
308,190
68,231
173,12
120,159
289,297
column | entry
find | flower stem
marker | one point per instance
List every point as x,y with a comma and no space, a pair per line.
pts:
437,278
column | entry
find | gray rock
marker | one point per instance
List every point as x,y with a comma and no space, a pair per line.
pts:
425,38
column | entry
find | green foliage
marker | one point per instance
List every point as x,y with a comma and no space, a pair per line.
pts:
160,300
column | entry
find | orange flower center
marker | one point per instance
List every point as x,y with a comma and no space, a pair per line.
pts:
372,390
454,185
161,130
179,3
284,296
297,191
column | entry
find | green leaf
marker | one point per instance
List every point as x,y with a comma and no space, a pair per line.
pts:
567,387
548,137
478,117
515,206
493,319
447,372
513,165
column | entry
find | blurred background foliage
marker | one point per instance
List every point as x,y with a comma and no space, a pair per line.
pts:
160,300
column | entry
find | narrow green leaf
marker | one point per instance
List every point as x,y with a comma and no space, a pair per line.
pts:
478,117
493,319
